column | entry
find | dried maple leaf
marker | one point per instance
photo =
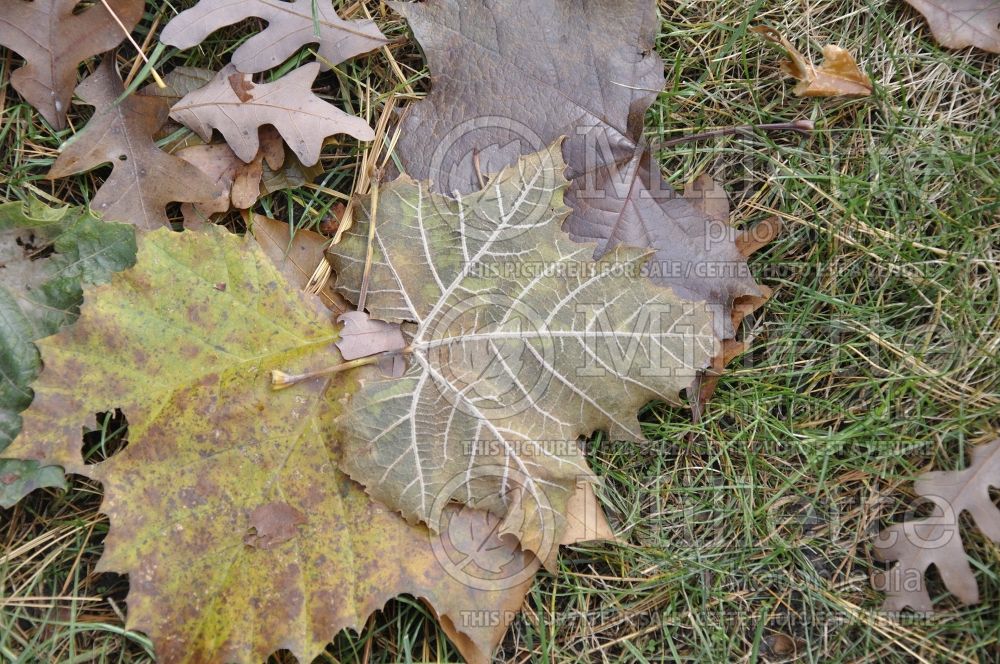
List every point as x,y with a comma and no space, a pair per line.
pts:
143,179
937,540
509,80
215,458
961,23
290,26
37,298
237,107
839,75
522,343
54,39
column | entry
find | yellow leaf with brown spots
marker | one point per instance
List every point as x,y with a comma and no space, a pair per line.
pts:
228,512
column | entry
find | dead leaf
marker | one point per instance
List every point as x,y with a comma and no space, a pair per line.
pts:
361,336
210,444
238,183
748,242
522,344
54,39
937,540
303,119
272,524
143,179
839,75
584,71
708,197
47,255
961,23
290,26
297,257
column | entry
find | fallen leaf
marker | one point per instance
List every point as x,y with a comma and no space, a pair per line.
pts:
296,255
961,23
839,75
54,39
273,524
238,183
303,119
38,296
179,82
290,26
507,80
19,478
212,449
937,540
143,179
361,336
522,343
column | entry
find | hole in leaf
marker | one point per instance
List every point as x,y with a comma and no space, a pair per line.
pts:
123,157
107,439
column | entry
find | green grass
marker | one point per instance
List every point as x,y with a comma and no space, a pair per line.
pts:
745,537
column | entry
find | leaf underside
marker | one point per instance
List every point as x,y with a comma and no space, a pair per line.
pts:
290,26
521,343
510,80
937,540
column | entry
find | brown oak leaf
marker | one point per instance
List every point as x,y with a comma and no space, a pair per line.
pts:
937,539
290,25
237,107
54,39
144,179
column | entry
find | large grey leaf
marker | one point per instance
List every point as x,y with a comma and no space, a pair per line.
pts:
510,78
521,343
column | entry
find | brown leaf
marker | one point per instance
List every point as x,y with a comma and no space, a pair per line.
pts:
303,119
238,183
361,336
961,23
272,524
143,178
55,40
839,74
937,540
584,71
747,242
296,257
290,26
708,197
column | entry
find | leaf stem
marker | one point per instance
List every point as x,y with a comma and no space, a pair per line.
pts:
801,126
280,380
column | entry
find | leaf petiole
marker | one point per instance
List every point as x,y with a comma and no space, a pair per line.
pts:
280,380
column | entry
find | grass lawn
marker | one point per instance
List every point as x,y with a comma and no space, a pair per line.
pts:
745,537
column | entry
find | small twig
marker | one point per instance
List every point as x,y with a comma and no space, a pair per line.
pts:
128,35
280,380
801,126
